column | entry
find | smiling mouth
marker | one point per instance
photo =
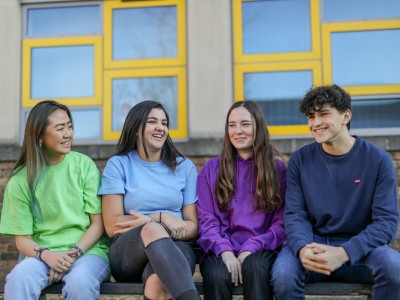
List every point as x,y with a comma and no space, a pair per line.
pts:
319,130
159,136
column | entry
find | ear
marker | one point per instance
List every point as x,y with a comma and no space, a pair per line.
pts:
347,116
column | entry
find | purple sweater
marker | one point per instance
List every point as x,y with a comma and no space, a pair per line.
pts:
242,228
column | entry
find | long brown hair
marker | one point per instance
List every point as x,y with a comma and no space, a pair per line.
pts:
267,194
31,155
135,121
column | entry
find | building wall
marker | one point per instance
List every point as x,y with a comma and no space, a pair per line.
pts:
10,57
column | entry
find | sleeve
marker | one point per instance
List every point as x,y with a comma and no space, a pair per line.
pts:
297,223
16,216
190,191
211,238
275,235
383,228
113,179
91,186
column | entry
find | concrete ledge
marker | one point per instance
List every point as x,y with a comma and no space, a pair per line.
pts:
320,289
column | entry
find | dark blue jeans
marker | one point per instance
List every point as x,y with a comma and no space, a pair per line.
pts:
381,267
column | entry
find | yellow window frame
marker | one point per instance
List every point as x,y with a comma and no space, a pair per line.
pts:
239,57
180,60
179,72
327,29
29,44
313,66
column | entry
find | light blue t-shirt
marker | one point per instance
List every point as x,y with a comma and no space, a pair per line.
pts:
150,187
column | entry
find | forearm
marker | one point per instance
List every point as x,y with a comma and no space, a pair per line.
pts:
26,245
92,234
191,232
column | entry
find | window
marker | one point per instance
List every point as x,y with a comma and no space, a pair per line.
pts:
92,57
283,48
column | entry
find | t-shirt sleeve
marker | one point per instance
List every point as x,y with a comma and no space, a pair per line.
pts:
113,178
16,216
91,186
190,191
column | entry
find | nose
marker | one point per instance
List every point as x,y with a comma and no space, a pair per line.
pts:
159,127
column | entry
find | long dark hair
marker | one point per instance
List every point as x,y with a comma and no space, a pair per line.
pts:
31,155
267,196
135,121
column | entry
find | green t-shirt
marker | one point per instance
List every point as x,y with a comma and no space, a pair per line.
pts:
67,194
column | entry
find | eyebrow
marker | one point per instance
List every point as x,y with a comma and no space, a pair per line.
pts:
63,124
154,118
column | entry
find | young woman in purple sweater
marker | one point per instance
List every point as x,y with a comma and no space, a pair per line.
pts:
240,208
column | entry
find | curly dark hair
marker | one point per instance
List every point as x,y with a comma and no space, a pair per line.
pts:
332,95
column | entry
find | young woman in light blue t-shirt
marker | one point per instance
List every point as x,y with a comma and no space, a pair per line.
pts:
149,195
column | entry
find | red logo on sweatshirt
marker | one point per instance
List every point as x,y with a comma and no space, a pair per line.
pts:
357,181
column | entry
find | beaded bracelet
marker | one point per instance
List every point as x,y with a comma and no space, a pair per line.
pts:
81,252
38,252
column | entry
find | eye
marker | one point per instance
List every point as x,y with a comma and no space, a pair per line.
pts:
164,124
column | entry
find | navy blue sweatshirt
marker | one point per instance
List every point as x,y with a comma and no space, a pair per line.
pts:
353,195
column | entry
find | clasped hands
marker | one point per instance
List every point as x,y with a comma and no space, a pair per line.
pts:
60,263
234,265
322,258
176,226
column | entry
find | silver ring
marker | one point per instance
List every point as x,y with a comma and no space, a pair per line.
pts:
63,264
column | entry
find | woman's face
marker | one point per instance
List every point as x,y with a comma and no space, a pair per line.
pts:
241,131
155,131
57,137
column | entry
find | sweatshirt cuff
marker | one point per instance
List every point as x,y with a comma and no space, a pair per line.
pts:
251,246
218,249
353,250
297,246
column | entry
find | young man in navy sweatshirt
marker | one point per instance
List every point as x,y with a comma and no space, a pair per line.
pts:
341,206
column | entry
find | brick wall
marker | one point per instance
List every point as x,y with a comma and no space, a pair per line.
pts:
9,253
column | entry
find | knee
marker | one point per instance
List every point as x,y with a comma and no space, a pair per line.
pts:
151,232
259,264
284,274
389,265
214,272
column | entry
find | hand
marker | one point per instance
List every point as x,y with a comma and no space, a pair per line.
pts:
310,260
234,266
60,262
128,225
243,255
335,257
176,225
55,276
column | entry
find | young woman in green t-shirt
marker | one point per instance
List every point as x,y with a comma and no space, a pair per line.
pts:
52,208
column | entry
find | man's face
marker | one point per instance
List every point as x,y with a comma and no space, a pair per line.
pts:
327,124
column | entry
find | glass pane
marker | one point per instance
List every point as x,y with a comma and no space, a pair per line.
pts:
276,26
279,93
64,21
366,57
354,10
148,32
86,124
377,113
62,72
128,92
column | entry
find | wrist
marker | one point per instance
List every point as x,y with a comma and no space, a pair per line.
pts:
39,252
80,251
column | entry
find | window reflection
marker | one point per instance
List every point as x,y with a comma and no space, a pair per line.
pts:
128,92
63,21
276,26
278,94
140,33
62,72
366,57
